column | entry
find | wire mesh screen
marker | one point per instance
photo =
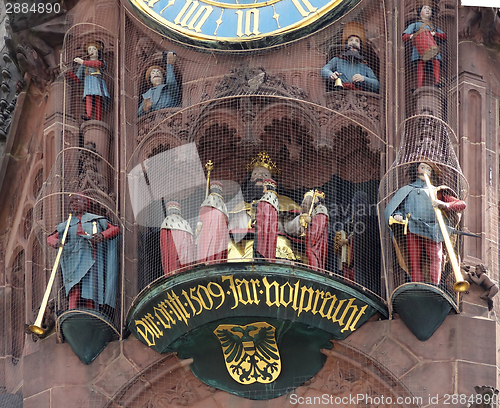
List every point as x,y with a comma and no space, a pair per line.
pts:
349,378
169,157
80,233
417,246
217,142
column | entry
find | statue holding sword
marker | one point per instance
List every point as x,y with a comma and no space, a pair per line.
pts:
415,205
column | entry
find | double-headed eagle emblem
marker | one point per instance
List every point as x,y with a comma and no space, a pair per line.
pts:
250,352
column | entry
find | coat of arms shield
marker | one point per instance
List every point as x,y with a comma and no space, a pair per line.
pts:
250,352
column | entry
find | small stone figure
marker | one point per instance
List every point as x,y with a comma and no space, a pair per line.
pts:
212,230
480,278
89,261
486,397
423,34
266,222
164,92
90,72
316,230
424,234
176,240
350,66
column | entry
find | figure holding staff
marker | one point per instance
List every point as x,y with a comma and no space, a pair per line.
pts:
89,261
315,224
212,231
424,234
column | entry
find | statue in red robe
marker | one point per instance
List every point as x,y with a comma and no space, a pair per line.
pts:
316,230
266,222
176,241
212,230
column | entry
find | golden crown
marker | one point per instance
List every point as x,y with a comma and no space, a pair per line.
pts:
263,160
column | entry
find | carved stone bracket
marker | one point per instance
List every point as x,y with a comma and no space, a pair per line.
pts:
171,120
169,382
254,81
96,173
361,107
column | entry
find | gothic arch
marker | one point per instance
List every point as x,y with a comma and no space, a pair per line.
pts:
168,382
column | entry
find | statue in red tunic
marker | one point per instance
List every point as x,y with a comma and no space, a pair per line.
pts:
212,230
316,230
176,240
266,222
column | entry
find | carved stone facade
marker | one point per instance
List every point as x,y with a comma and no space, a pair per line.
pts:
245,103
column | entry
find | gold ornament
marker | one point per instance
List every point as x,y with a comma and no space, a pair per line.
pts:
263,160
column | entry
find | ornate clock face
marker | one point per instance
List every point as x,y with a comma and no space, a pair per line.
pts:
239,23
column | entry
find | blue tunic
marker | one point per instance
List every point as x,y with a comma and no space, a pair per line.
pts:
412,29
162,96
98,275
93,83
414,199
348,69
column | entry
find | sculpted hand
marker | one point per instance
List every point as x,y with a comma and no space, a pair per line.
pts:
335,75
171,57
439,204
398,217
58,244
78,60
147,104
96,238
358,78
198,228
433,33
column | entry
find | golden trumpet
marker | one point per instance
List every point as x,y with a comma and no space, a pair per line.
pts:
460,285
37,326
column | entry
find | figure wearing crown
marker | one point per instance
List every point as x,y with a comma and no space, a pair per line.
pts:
213,232
176,241
241,217
90,72
266,222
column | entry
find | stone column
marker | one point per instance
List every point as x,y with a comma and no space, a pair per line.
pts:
98,138
429,101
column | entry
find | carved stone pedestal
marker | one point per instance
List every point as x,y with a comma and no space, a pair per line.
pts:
98,139
429,101
98,133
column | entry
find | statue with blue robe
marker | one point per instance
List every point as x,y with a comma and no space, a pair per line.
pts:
165,92
350,67
89,260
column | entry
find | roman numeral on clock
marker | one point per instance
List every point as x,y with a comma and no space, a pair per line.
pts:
193,16
245,24
300,4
